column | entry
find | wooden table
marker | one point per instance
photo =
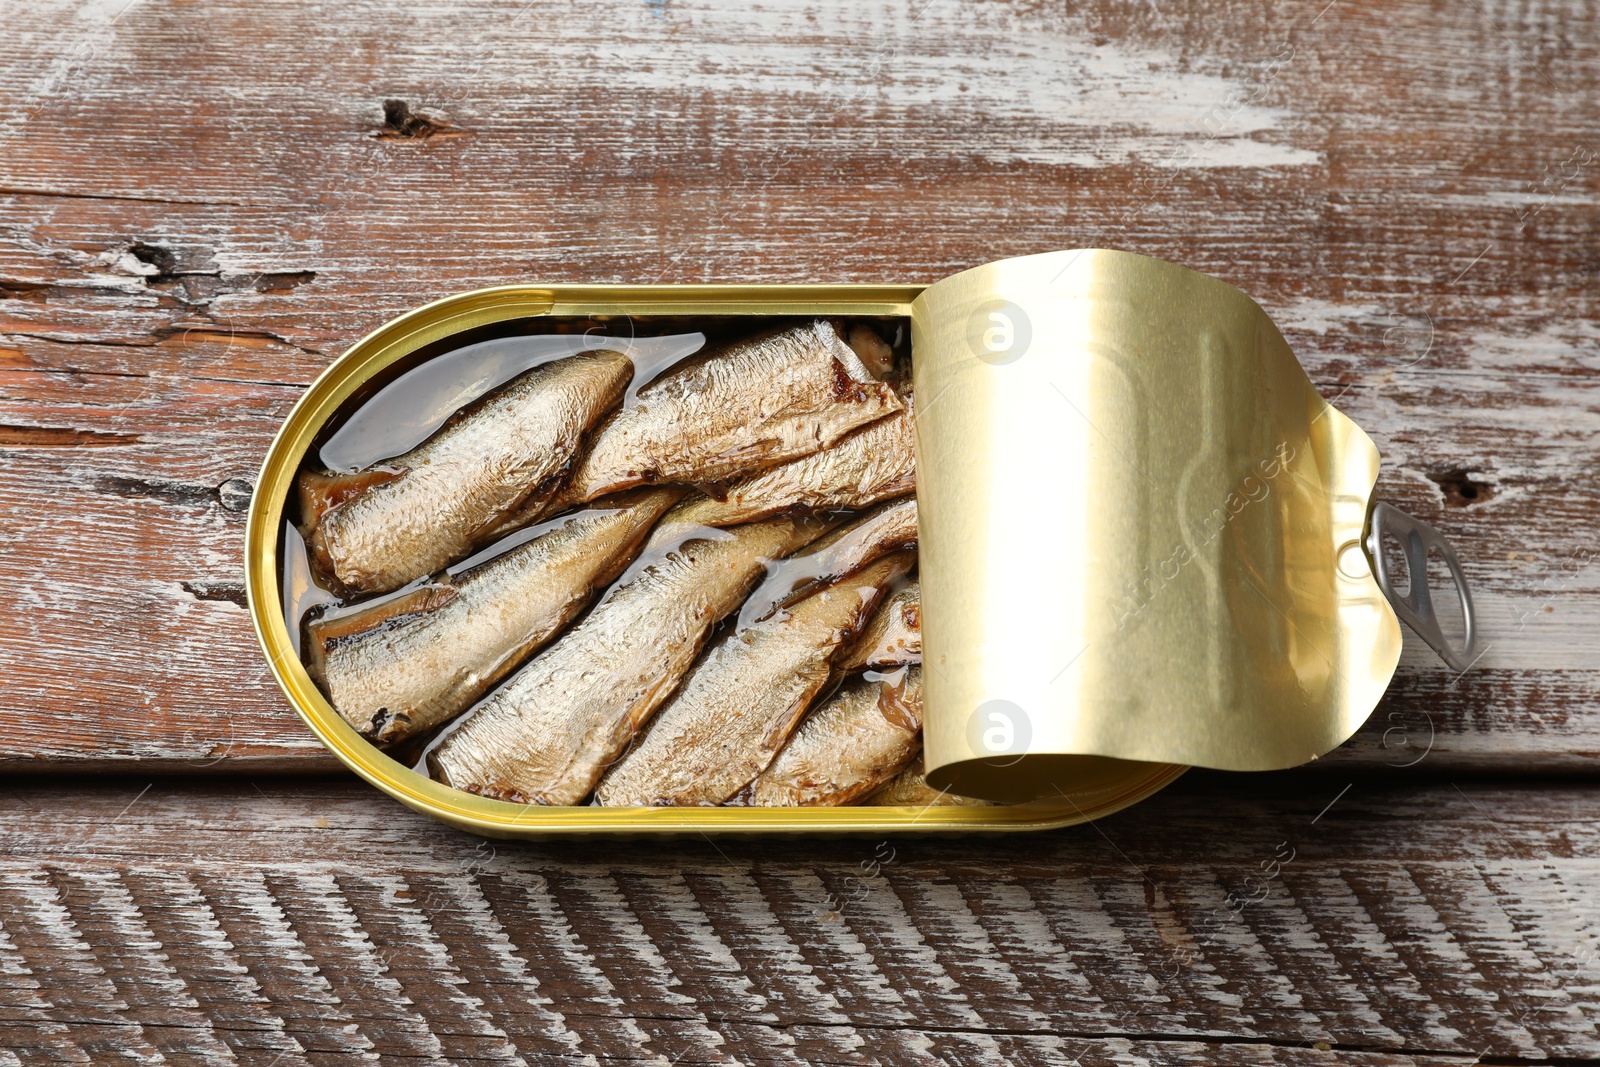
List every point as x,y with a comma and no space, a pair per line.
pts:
201,204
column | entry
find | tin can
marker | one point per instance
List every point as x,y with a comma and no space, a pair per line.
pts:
1146,541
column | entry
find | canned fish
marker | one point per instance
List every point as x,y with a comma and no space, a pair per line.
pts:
541,559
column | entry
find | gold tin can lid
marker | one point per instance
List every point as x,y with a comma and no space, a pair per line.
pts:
1133,508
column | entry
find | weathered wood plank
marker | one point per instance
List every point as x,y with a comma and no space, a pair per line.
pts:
1409,189
324,924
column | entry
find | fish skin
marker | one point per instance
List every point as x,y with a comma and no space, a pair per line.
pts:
530,512
875,463
854,742
409,664
689,518
740,703
909,789
888,528
379,528
548,734
744,407
892,638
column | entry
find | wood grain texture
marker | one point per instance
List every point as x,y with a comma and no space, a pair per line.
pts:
201,205
212,922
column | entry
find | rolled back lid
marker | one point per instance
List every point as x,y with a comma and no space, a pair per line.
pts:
1140,533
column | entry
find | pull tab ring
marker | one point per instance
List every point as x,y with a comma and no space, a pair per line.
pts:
1415,608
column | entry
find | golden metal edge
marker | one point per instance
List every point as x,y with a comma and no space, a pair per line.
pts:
400,336
1388,644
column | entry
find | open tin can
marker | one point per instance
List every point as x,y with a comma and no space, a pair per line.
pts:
1146,542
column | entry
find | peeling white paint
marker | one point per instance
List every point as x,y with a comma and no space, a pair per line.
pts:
1045,91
